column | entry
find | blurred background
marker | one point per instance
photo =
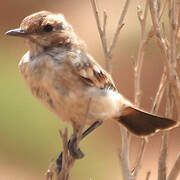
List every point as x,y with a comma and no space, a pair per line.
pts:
29,136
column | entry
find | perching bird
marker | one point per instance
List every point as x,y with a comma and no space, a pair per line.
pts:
64,76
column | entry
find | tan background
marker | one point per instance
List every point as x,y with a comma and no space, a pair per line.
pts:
29,133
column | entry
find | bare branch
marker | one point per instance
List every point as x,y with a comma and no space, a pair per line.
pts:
137,75
104,25
67,160
139,62
148,175
162,9
160,92
139,159
175,170
102,32
162,159
124,155
50,172
119,26
171,71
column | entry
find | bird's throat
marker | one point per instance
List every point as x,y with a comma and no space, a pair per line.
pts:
35,49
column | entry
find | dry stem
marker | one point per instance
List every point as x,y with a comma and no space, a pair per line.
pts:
137,74
108,51
175,170
148,175
162,158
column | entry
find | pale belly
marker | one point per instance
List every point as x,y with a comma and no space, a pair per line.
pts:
72,106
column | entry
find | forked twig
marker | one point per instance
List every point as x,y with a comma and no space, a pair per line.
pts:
108,51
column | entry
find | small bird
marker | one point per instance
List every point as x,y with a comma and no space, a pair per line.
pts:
64,76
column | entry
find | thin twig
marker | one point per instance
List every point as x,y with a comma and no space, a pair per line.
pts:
67,160
108,51
164,146
101,31
171,71
160,92
50,172
119,26
139,62
148,175
162,158
175,171
162,9
124,155
139,159
137,75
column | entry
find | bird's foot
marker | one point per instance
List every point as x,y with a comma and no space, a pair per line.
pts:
74,151
73,148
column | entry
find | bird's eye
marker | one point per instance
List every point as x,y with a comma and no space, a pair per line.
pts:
48,28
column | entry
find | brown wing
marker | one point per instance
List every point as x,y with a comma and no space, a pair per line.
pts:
90,71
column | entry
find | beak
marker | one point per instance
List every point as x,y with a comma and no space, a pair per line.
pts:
17,32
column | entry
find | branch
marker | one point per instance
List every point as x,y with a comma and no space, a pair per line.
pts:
139,159
124,154
160,92
108,51
171,70
164,146
119,26
137,74
162,158
141,50
102,32
175,170
67,160
148,175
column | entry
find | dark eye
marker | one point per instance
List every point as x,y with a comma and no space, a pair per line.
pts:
48,28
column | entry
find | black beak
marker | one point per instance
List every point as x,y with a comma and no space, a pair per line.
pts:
17,32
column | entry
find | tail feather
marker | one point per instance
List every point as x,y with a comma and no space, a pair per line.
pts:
143,124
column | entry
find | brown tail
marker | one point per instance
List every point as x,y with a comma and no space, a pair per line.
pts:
143,124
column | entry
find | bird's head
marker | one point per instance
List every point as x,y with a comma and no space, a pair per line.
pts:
45,29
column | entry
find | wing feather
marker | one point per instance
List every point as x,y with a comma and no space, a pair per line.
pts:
90,71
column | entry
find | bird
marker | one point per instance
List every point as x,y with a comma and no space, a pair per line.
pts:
64,77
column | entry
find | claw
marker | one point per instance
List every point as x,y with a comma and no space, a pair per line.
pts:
74,150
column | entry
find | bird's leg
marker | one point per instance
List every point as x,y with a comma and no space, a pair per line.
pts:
72,145
59,162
